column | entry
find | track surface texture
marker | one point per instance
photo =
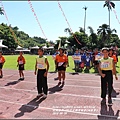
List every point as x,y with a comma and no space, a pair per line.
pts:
79,98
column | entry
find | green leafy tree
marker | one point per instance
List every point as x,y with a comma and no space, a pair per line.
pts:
93,39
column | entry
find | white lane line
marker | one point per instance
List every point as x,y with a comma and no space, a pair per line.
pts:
25,75
80,79
62,110
65,94
78,86
67,79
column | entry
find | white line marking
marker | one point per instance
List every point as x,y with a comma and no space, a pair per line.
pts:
65,94
80,79
67,79
39,107
78,86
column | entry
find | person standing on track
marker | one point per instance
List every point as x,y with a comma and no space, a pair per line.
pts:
77,62
111,54
61,63
54,56
87,61
2,61
20,65
41,67
106,69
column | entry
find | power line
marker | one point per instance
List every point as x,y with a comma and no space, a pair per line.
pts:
68,23
29,2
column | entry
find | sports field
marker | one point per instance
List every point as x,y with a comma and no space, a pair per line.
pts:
11,63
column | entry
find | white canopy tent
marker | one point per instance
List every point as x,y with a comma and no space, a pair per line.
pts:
19,48
1,45
51,47
44,47
36,47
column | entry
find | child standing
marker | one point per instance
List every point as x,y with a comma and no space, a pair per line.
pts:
87,61
21,62
2,61
111,54
41,67
77,61
106,69
61,63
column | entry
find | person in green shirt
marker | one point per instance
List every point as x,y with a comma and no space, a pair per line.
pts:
41,68
106,70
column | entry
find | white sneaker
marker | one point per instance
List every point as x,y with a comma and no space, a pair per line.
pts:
44,96
39,95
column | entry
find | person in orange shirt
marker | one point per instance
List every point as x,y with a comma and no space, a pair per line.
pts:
111,54
2,61
21,62
61,63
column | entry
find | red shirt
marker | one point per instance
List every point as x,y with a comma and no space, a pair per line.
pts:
21,60
2,59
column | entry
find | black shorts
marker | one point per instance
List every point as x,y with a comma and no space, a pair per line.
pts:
21,67
96,62
1,65
61,68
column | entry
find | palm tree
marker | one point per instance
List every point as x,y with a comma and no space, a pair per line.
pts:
1,11
110,5
104,31
81,30
85,8
93,36
67,30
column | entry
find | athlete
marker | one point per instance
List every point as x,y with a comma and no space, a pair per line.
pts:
106,69
2,61
21,62
41,68
61,63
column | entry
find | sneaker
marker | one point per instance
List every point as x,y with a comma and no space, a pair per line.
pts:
110,101
63,83
103,101
59,83
56,78
22,78
39,95
44,96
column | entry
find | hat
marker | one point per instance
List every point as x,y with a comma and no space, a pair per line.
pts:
105,48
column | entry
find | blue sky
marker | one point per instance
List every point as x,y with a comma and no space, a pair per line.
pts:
52,19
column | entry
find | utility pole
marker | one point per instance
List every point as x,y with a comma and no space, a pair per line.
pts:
85,8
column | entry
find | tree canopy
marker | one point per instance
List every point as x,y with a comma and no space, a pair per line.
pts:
22,38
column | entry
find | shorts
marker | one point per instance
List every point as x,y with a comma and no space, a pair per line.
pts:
96,62
87,64
21,67
61,68
1,65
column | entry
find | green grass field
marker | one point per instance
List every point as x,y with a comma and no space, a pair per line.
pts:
11,63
